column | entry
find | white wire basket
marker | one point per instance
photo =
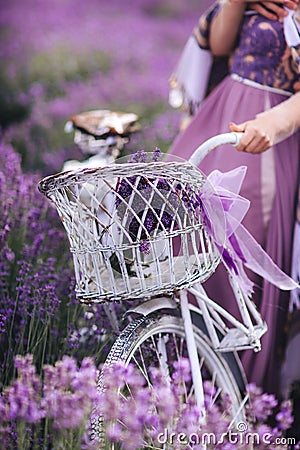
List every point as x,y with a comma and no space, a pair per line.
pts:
136,229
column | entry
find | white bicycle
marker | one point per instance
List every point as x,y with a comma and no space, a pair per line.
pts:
138,229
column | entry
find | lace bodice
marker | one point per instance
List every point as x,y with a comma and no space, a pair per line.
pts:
262,54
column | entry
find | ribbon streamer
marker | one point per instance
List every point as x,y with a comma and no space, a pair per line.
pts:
237,246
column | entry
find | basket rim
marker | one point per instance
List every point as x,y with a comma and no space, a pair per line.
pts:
174,169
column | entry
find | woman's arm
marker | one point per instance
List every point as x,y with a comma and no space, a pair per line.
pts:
270,127
226,24
225,27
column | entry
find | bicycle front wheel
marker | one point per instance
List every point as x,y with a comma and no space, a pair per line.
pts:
159,341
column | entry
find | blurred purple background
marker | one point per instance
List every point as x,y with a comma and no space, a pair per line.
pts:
62,57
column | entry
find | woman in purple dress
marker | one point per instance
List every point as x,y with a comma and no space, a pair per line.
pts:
260,134
262,74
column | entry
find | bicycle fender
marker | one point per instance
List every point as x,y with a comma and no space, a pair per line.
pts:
152,305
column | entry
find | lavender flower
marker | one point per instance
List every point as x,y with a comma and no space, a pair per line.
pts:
22,400
69,393
145,247
139,157
261,405
3,322
63,397
284,416
182,370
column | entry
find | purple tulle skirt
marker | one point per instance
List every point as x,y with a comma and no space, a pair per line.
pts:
271,185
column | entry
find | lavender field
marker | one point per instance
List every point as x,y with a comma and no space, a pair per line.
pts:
59,58
63,57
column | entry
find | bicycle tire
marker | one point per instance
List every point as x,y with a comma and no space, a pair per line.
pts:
224,369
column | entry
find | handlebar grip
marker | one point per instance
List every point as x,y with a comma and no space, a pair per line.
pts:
199,154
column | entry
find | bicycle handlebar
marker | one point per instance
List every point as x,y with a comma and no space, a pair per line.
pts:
220,139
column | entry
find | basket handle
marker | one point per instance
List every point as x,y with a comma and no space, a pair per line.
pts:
220,139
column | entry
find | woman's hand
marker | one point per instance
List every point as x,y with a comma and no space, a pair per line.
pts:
259,135
269,127
273,10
